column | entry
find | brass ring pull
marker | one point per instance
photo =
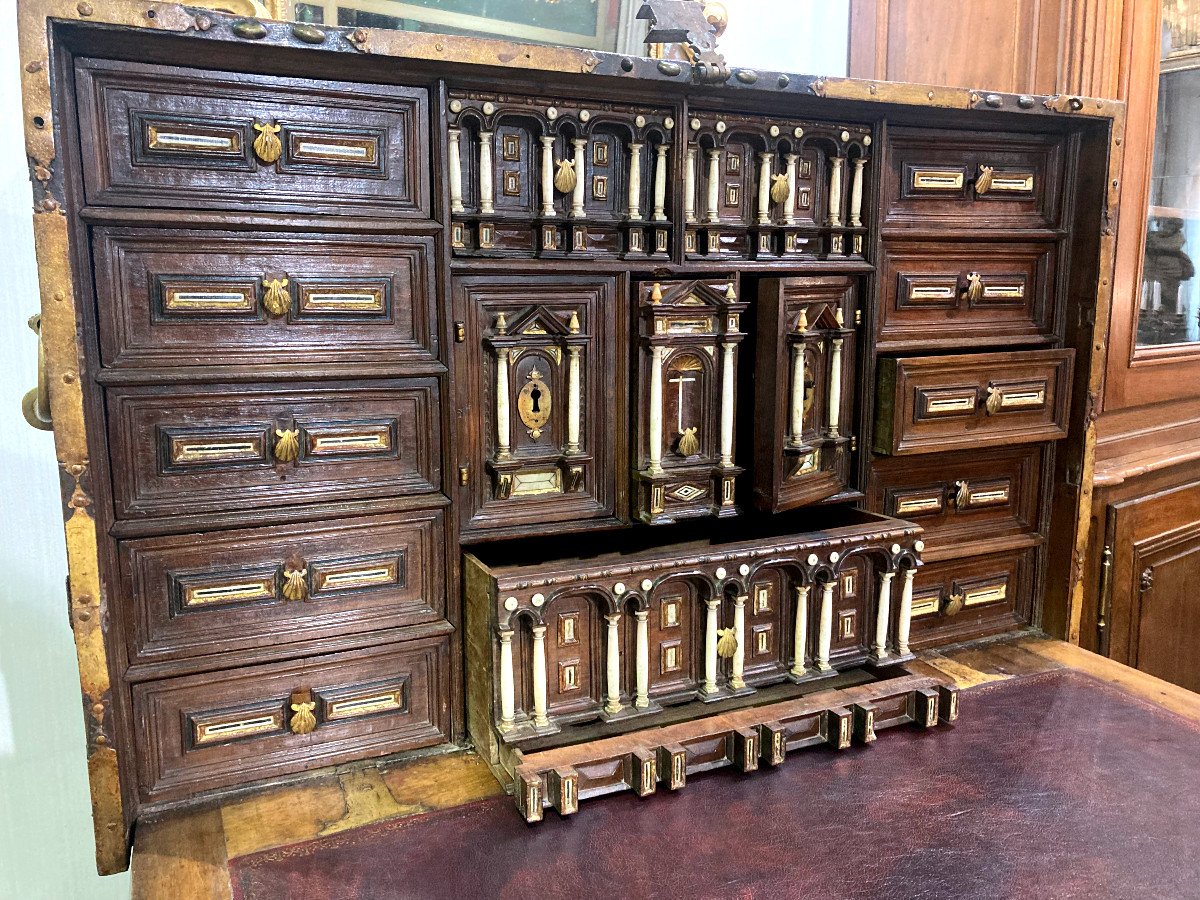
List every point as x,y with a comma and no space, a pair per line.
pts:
974,290
983,181
35,405
995,399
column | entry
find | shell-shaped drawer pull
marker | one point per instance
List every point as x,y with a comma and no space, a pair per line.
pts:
962,494
287,444
974,289
303,719
953,605
267,145
983,181
295,583
995,400
277,299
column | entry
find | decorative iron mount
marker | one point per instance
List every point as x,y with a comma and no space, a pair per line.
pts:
694,25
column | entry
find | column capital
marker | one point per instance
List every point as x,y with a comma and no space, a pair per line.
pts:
538,630
641,614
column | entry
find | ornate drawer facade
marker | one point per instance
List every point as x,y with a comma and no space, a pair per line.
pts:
539,407
970,181
187,298
957,599
221,592
215,730
952,294
190,138
185,449
934,403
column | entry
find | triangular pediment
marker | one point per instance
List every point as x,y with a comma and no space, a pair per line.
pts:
538,321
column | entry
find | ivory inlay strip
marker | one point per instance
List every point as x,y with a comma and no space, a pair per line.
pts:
918,504
1015,184
989,594
350,443
925,606
318,300
216,301
1021,399
349,579
364,706
231,729
931,292
982,498
528,484
236,592
185,450
1004,291
937,179
193,142
951,404
358,152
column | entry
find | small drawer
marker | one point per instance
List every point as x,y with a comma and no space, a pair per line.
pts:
964,180
963,497
196,139
217,730
927,404
956,599
193,595
956,293
186,298
182,449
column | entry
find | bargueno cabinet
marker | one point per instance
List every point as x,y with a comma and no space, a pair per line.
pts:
625,417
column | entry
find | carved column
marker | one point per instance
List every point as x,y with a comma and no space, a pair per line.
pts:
486,193
508,702
856,193
714,185
656,409
835,191
456,199
835,387
710,646
574,399
502,421
736,681
797,429
905,621
689,186
800,637
577,210
547,175
764,188
614,664
825,635
540,718
642,692
635,181
660,184
727,406
883,615
789,212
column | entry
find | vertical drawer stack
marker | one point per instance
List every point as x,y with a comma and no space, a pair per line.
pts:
265,283
972,381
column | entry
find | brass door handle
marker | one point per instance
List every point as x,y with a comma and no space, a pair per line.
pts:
983,181
35,405
974,289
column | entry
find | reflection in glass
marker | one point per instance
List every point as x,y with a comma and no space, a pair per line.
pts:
1170,302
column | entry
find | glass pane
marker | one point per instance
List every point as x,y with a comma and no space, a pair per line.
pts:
808,36
1170,303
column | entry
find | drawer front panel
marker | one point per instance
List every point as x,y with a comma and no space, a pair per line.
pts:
216,730
930,404
960,598
958,180
161,136
962,497
955,293
180,298
216,593
228,447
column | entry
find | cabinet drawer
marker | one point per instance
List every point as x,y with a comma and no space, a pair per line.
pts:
932,403
214,593
974,181
956,599
181,449
215,730
962,497
165,136
955,293
187,298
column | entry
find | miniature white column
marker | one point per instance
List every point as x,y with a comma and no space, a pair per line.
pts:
577,209
635,180
905,620
801,632
714,186
508,698
574,399
540,719
789,212
710,647
660,184
835,387
547,175
825,636
797,429
456,203
642,693
614,664
883,615
689,186
764,187
502,423
856,192
727,407
835,191
656,409
486,193
736,681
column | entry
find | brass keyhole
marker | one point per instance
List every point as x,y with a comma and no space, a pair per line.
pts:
536,395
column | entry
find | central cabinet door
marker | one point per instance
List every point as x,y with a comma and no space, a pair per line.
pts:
540,396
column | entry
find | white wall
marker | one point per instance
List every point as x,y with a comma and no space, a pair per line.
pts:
45,819
807,37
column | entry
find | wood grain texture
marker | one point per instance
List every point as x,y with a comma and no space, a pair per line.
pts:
181,856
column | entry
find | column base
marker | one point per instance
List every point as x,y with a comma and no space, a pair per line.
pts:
812,674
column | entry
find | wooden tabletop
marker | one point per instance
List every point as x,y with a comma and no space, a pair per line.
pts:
185,853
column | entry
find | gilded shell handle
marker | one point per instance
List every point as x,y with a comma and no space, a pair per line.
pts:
304,718
277,300
953,605
962,496
974,291
295,584
287,444
995,399
36,404
983,181
267,145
